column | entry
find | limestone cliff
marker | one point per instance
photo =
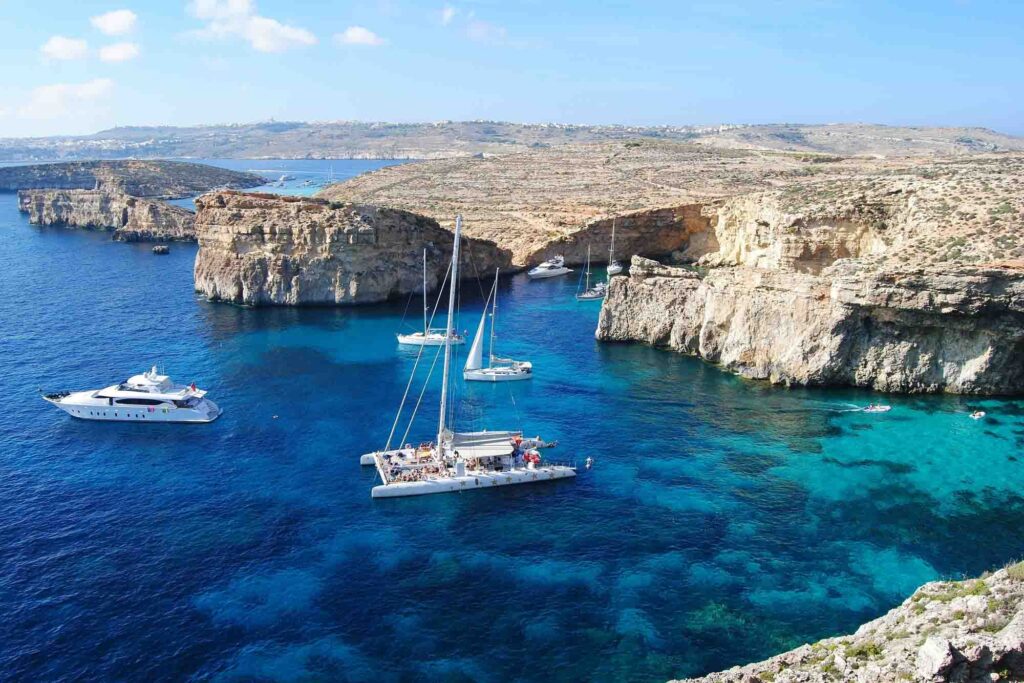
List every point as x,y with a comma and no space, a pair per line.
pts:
261,249
130,218
947,631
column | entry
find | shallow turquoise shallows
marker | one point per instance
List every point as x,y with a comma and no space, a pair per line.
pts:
723,520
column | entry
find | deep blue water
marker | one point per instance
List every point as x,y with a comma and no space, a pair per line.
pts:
724,520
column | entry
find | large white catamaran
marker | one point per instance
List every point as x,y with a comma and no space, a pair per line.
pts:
497,369
457,461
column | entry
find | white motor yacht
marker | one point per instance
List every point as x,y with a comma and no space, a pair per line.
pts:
149,397
550,268
498,369
428,337
458,461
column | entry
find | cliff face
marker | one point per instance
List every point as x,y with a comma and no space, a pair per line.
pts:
167,179
925,330
260,249
131,219
948,631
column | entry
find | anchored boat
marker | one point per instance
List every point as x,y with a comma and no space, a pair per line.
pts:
551,268
614,267
458,461
428,337
149,397
498,369
590,293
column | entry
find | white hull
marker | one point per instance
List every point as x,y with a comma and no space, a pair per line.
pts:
498,374
419,339
80,405
541,274
470,482
615,269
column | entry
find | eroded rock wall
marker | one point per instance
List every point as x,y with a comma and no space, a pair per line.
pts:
131,219
924,330
261,249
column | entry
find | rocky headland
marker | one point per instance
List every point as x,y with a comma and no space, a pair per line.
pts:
262,249
878,281
946,632
131,219
156,179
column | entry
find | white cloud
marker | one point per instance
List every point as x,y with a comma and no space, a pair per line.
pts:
238,18
115,23
358,35
485,32
447,14
61,99
119,52
59,47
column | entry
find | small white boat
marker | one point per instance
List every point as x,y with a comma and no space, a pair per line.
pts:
498,369
149,397
550,268
457,461
614,267
429,336
977,414
590,293
873,408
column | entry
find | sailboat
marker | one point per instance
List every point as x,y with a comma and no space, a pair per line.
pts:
590,293
427,337
458,461
614,267
498,369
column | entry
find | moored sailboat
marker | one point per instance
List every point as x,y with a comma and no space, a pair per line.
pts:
458,461
428,337
614,267
498,369
590,293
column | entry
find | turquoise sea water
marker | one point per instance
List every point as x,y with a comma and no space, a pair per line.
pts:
724,520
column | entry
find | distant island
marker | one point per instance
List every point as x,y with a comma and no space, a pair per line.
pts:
445,139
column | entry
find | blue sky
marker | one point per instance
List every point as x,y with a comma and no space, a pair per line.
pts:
80,66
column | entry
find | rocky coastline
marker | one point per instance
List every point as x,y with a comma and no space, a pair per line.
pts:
947,632
263,249
131,219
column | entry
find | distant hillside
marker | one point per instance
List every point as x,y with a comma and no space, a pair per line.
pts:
166,179
365,140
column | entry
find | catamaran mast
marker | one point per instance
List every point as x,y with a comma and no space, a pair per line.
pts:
448,335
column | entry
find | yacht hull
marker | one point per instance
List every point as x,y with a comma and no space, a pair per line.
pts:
81,406
471,482
546,273
495,375
418,339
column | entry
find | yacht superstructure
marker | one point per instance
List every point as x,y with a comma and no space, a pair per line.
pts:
458,461
149,397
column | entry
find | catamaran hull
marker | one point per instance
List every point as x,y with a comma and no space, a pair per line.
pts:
472,482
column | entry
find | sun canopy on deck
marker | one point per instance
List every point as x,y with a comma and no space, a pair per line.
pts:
483,444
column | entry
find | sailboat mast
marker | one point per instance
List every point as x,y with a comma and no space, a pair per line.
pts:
426,324
494,315
448,334
588,267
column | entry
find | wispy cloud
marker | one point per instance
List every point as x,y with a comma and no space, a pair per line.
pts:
119,52
115,23
61,99
59,47
238,19
481,31
447,14
358,35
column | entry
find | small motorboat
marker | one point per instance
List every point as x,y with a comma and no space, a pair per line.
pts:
877,408
550,268
161,249
977,414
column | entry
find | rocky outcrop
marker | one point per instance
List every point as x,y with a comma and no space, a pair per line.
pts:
165,179
261,249
914,330
947,632
130,218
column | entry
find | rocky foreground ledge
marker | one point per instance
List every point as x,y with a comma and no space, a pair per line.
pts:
948,631
131,219
265,249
